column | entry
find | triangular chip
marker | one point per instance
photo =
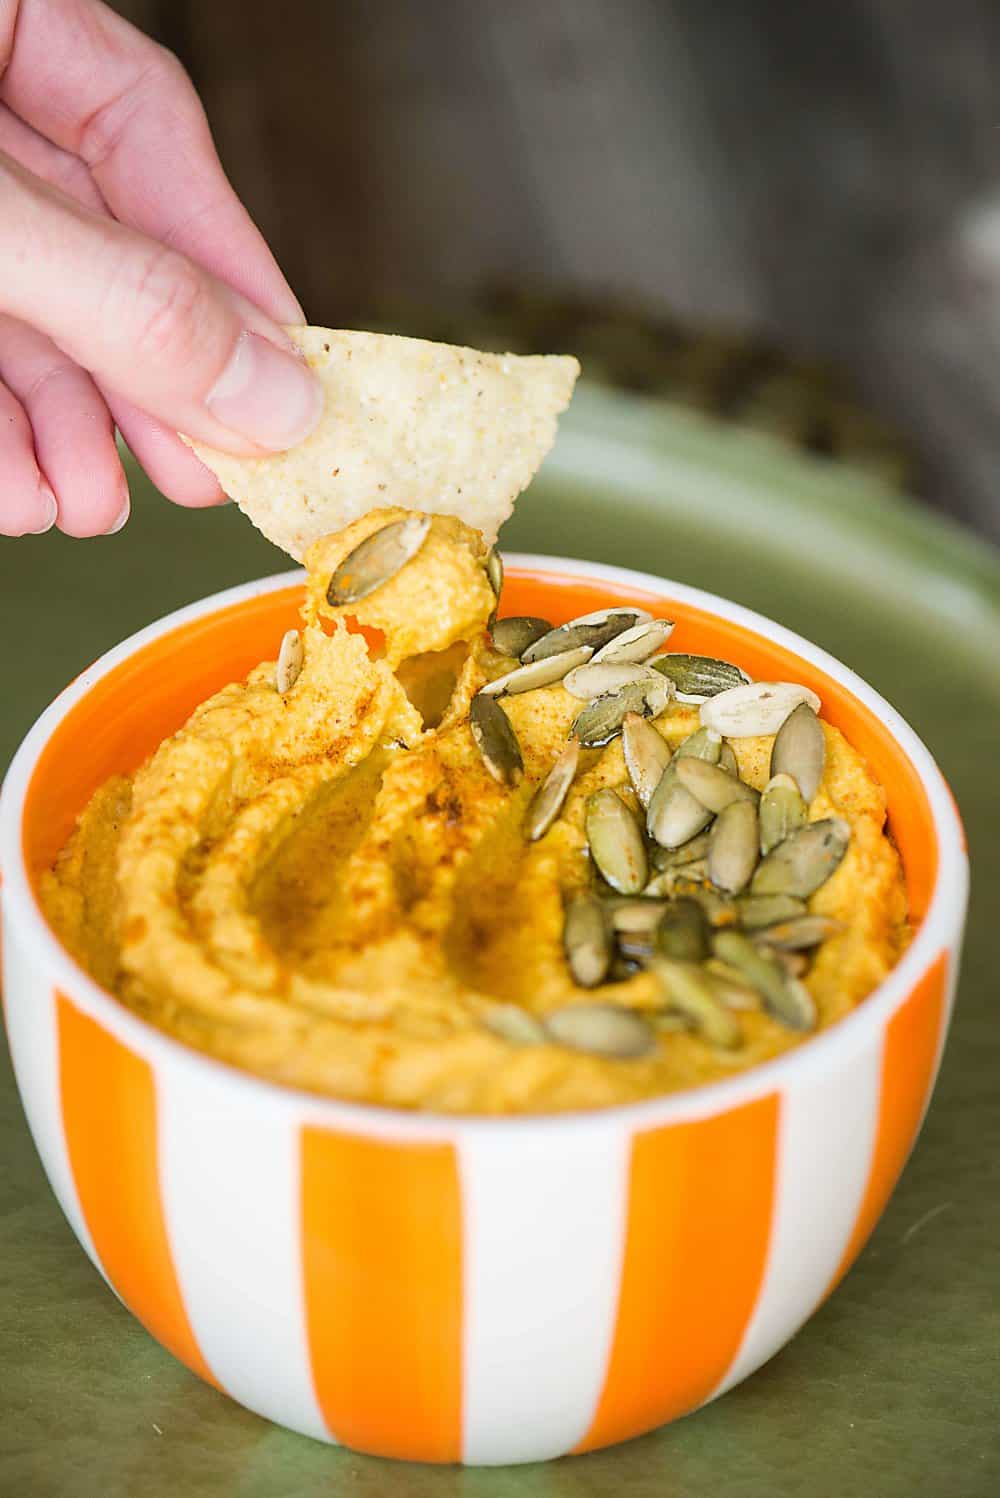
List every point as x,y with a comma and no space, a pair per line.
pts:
406,422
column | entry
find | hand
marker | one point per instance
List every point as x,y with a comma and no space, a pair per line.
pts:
134,288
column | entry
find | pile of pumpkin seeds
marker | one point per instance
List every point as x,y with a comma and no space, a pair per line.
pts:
705,884
707,888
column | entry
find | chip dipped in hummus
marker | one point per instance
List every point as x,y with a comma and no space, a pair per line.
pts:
432,857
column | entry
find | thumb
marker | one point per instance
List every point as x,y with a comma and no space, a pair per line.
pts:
150,324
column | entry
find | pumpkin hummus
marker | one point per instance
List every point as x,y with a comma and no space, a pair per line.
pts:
329,888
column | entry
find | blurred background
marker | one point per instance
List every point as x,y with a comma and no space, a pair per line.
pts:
787,215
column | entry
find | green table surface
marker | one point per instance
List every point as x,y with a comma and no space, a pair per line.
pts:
894,1386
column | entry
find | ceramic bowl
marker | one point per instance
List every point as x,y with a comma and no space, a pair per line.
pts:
454,1288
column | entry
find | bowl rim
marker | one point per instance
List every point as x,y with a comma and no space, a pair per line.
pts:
939,930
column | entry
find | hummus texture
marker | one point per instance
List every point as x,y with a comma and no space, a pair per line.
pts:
328,888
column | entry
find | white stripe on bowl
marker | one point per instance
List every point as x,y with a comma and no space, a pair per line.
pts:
229,1175
538,1326
826,1137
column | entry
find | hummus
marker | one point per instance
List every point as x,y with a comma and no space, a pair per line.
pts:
330,889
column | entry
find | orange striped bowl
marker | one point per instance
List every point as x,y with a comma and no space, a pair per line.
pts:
463,1289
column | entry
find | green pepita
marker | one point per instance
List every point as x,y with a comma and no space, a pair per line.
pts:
291,658
689,991
548,800
800,750
785,998
616,843
495,739
601,720
602,1030
647,755
733,850
697,677
711,784
782,811
682,932
514,1024
804,861
513,636
587,940
377,559
543,673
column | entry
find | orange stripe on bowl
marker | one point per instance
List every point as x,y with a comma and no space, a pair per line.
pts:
382,1268
699,1221
109,1116
911,1048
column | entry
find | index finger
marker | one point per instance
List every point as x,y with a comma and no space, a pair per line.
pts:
95,85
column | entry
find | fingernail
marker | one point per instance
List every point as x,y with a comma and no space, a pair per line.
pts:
266,395
122,520
49,510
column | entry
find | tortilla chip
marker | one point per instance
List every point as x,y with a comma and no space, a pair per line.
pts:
410,423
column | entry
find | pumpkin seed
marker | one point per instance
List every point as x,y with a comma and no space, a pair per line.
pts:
377,559
698,677
615,842
587,940
640,916
759,707
542,673
647,755
594,630
689,991
728,760
593,680
495,739
731,986
494,571
291,658
514,1024
602,1030
783,996
800,750
804,861
638,643
513,636
782,811
674,816
601,720
602,616
758,911
547,802
682,932
732,850
704,744
711,785
800,933
695,850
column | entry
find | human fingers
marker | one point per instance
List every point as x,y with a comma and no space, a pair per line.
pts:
53,165
96,86
171,465
74,437
149,323
27,504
